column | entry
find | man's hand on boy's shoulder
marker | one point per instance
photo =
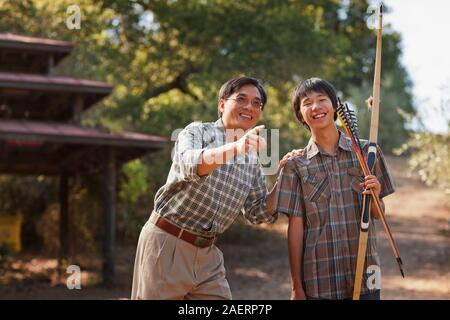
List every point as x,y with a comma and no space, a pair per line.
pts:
288,156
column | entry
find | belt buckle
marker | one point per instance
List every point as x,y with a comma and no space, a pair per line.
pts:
201,242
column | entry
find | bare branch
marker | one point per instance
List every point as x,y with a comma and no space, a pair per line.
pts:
179,83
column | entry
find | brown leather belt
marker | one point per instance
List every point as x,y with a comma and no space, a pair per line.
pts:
196,240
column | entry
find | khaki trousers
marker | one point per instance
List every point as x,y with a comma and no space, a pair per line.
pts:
169,268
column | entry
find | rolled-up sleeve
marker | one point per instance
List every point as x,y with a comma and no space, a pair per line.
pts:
255,208
289,197
188,151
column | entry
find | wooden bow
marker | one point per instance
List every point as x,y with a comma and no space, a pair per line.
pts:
374,105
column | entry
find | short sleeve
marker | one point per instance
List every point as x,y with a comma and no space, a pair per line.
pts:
289,197
382,173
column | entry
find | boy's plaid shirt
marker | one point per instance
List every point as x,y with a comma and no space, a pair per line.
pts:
324,189
208,205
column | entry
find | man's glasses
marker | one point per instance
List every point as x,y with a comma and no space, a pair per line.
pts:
241,102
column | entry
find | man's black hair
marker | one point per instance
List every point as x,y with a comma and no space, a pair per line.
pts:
233,85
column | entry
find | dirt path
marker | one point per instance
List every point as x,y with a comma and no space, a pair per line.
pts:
257,261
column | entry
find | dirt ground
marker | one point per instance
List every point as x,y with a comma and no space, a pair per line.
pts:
256,257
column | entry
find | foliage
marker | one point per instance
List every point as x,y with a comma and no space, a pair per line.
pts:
429,152
167,60
430,157
135,182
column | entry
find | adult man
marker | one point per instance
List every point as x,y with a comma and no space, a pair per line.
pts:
214,175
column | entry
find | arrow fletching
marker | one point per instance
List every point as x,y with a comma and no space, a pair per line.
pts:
350,121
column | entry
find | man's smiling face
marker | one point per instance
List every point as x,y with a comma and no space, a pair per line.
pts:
242,109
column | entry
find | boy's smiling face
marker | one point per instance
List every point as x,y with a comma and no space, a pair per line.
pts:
317,110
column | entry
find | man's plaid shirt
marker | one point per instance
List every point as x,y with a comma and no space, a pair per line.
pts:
324,189
208,205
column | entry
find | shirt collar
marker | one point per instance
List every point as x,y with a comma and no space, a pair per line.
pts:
219,130
312,148
219,123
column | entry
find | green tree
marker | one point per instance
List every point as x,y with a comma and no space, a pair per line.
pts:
167,60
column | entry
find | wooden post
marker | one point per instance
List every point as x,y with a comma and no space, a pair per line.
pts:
63,217
51,64
78,109
109,216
